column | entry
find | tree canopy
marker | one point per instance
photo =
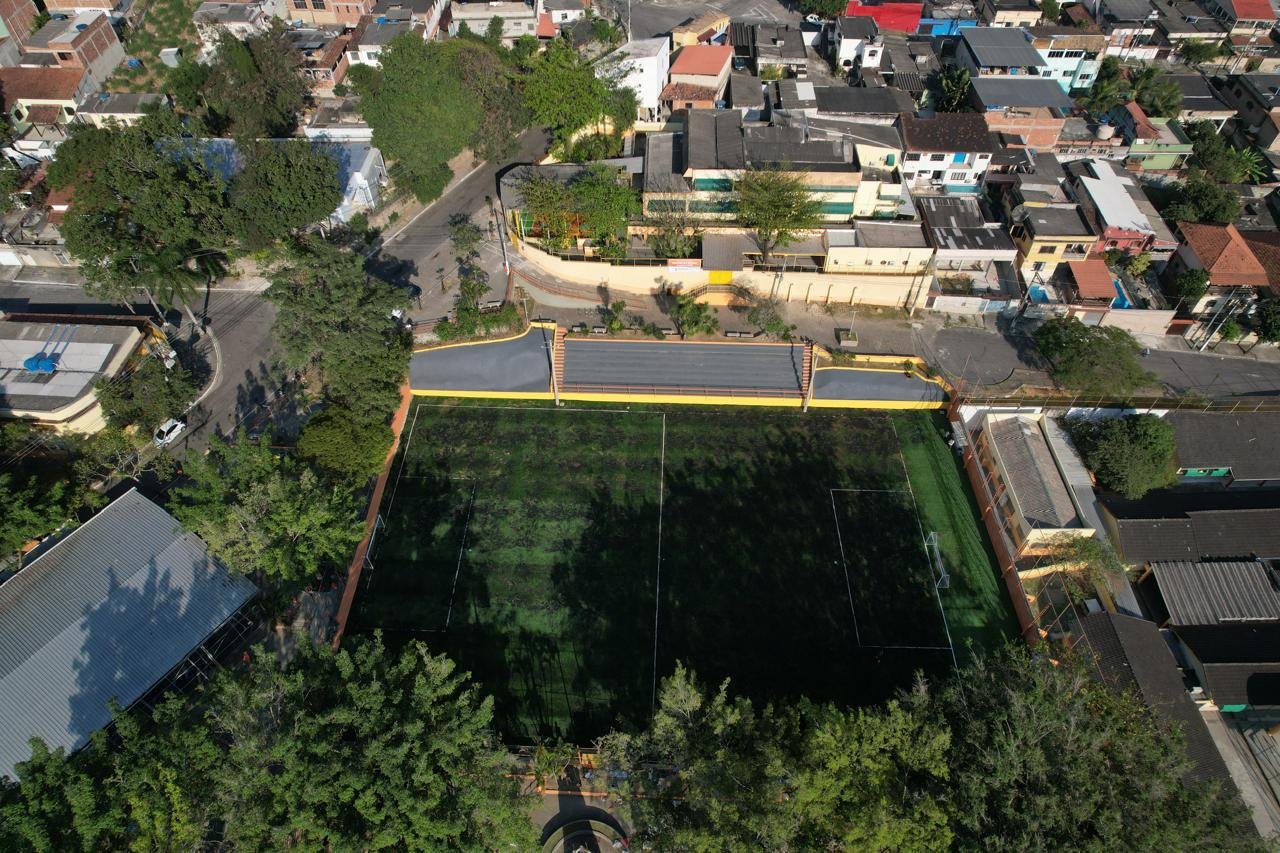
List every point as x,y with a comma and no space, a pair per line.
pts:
284,186
1131,455
1220,161
777,206
147,397
565,94
253,89
1096,361
1200,198
953,86
334,319
359,749
31,510
265,515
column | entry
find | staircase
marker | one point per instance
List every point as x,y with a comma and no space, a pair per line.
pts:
806,371
557,356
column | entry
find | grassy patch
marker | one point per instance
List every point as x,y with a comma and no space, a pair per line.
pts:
165,24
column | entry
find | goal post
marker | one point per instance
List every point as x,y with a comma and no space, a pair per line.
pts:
943,580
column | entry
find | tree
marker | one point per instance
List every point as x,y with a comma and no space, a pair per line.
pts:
829,9
498,88
675,234
766,315
334,319
420,115
31,511
714,772
347,446
1230,330
1200,198
147,397
255,89
1155,93
1096,361
603,205
953,90
612,315
186,84
1104,96
693,317
1046,756
777,206
362,749
1191,285
564,93
1267,321
465,236
1196,51
1131,455
282,187
1137,266
263,516
550,204
59,802
1247,165
148,209
1219,160
1050,11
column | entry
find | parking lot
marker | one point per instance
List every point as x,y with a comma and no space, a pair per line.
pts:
657,17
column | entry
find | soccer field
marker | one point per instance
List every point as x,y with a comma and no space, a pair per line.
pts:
569,557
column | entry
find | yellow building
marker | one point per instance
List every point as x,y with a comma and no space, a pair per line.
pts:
1047,236
878,248
699,29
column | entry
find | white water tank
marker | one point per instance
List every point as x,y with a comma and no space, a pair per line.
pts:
1105,131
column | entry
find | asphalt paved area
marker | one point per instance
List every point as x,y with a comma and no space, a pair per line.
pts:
658,17
520,364
873,385
683,367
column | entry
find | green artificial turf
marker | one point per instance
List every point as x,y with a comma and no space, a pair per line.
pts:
524,541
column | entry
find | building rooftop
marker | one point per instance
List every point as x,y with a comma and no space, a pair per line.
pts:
639,48
1114,203
947,132
713,140
1181,526
745,91
859,132
706,21
1265,246
703,60
795,95
997,92
121,103
104,614
1198,94
39,84
775,145
61,31
1248,444
1001,47
1134,11
857,100
857,27
1042,497
779,45
1224,254
1250,10
1216,593
891,235
1060,221
664,163
372,33
1093,278
1130,654
87,352
898,17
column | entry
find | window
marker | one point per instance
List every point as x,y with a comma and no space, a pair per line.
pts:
1048,72
912,158
1056,54
299,4
959,176
937,158
1045,250
958,157
1066,73
318,5
1074,54
1084,77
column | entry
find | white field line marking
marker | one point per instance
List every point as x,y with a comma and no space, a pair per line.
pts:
404,455
844,564
462,549
657,583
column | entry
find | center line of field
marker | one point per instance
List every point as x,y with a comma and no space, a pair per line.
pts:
462,548
844,564
657,583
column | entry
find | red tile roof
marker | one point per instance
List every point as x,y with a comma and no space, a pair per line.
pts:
1142,126
703,59
1265,246
44,114
899,17
1093,278
1224,254
682,92
1252,10
546,27
39,84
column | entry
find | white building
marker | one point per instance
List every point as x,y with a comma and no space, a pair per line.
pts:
642,66
564,11
857,42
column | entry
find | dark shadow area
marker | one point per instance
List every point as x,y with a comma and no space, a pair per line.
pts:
1017,332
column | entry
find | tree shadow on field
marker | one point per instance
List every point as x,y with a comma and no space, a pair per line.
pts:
751,587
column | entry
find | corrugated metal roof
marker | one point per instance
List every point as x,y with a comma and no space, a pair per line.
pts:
1213,593
1032,473
999,47
104,614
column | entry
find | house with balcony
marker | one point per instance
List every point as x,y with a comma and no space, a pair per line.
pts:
1047,236
997,52
1109,201
1243,17
39,104
328,13
1030,109
1155,144
641,65
125,108
1072,56
1082,137
1200,101
949,152
878,248
1009,13
1255,97
324,60
1181,21
856,42
1130,27
1235,274
780,47
968,245
371,36
948,17
698,77
1029,488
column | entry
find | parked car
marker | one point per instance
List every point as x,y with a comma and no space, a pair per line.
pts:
168,432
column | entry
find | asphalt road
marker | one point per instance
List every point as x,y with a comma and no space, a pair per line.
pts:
419,252
657,17
241,322
522,364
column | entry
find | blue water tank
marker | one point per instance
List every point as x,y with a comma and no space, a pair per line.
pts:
81,27
383,20
133,63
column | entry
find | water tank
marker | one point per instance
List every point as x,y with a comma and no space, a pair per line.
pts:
81,27
1105,131
133,62
383,20
171,56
